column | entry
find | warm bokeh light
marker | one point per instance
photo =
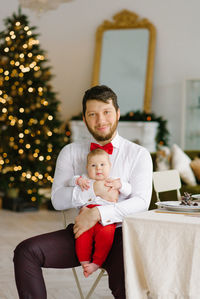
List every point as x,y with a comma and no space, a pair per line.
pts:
29,120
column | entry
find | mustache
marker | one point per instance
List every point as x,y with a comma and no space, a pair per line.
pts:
100,137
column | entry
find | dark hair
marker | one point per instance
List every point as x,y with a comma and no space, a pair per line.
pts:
99,93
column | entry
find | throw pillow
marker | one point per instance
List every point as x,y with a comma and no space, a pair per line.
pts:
195,165
163,158
181,162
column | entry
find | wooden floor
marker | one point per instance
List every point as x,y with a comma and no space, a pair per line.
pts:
15,227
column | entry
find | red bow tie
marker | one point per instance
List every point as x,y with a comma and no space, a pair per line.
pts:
107,147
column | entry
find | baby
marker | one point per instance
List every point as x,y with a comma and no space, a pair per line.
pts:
98,168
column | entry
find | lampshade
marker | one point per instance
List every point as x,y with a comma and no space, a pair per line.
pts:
41,6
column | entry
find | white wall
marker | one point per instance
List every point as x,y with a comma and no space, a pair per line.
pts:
68,35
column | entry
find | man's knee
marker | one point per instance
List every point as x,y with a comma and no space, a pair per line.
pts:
27,250
21,248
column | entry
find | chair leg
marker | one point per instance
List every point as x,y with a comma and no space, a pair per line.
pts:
102,272
78,283
95,283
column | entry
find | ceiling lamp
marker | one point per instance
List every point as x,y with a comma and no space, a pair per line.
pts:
41,6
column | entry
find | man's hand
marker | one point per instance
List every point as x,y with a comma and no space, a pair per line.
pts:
105,192
85,220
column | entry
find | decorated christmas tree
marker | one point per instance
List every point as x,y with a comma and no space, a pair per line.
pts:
30,126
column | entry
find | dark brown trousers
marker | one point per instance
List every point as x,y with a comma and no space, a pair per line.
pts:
57,250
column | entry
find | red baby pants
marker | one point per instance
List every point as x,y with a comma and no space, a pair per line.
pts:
101,237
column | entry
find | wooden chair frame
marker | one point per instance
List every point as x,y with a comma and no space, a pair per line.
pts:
166,180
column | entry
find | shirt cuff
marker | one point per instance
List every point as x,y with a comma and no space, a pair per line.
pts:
74,180
106,213
125,189
81,198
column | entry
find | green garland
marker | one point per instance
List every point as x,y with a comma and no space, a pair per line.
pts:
162,136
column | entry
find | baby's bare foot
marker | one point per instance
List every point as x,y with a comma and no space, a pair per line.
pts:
88,269
84,263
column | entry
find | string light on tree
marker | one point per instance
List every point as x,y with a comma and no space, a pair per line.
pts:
29,120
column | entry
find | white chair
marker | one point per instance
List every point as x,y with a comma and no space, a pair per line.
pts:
101,273
166,180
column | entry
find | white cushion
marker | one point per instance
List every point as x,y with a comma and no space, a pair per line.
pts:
163,158
181,162
195,165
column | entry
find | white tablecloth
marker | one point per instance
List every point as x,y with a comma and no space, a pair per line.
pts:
162,256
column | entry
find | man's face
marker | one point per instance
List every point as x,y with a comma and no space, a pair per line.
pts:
98,167
101,120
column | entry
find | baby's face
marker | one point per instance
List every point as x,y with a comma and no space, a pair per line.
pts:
98,167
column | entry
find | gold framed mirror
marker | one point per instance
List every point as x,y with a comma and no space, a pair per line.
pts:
124,59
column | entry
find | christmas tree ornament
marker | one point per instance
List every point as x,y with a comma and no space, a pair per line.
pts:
29,118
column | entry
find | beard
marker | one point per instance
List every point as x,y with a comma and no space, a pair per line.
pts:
101,137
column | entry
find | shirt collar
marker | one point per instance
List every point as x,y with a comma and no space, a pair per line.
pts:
116,141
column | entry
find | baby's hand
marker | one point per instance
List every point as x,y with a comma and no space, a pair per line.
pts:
107,193
114,184
83,183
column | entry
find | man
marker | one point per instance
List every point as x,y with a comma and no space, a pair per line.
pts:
130,163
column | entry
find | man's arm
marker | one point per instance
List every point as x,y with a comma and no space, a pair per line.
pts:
64,196
85,220
61,193
140,197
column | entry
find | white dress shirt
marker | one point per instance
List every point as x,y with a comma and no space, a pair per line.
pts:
130,162
79,201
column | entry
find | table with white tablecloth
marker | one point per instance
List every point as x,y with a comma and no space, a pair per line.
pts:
162,255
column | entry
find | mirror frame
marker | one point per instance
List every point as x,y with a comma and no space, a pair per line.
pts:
126,19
